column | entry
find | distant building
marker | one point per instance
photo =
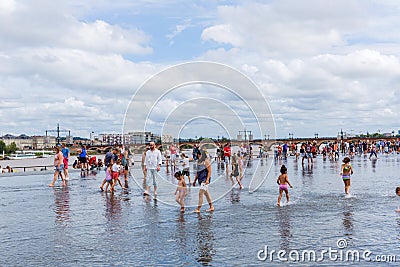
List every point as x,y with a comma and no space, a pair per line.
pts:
41,142
129,138
69,140
110,139
29,142
167,138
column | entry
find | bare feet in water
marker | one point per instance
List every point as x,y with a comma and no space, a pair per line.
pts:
211,209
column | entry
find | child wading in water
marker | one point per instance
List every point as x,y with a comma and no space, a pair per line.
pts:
116,168
283,182
109,179
181,190
345,172
235,170
398,193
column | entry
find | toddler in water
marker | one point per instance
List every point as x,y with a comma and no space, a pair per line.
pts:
181,190
398,193
116,168
283,182
109,179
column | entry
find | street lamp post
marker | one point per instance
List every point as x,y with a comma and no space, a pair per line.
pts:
91,140
245,134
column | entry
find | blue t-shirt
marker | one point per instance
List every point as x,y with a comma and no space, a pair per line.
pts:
83,153
109,156
65,152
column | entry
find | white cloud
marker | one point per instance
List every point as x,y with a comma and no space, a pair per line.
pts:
222,33
7,6
102,37
47,24
178,30
322,65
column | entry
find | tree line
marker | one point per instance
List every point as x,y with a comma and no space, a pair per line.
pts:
8,149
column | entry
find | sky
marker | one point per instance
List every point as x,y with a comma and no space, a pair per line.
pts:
321,66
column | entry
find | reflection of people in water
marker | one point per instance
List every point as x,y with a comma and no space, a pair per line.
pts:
348,221
285,227
235,196
113,208
61,203
185,240
205,239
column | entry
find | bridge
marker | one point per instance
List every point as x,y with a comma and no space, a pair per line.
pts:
208,143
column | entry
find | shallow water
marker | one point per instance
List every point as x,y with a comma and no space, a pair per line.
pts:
79,225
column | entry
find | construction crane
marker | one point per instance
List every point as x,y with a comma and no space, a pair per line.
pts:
58,133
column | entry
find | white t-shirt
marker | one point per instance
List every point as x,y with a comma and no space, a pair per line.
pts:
116,167
185,163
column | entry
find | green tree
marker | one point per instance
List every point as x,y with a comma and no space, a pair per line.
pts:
11,148
2,146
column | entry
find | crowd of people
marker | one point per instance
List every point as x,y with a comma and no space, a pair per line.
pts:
332,150
116,163
178,163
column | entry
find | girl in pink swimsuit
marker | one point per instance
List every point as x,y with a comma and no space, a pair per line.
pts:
283,182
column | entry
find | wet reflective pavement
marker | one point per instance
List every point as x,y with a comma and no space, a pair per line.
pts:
80,226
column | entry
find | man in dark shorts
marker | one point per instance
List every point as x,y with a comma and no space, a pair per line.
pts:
82,158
